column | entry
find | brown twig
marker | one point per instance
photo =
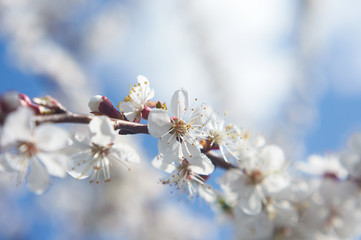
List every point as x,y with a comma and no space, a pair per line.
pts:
218,161
125,127
67,117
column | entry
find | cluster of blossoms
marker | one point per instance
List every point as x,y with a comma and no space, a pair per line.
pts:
36,152
262,192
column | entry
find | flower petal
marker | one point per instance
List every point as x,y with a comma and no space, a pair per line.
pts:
127,107
251,205
169,147
102,129
275,183
4,165
124,152
231,178
207,193
161,164
190,150
56,164
201,165
158,123
48,137
131,116
18,126
82,165
38,178
144,82
77,143
179,102
273,158
18,162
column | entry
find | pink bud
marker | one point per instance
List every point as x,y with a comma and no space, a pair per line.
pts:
26,102
50,105
145,112
101,105
151,104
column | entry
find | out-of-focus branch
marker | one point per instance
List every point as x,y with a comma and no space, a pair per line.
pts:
63,118
218,161
125,127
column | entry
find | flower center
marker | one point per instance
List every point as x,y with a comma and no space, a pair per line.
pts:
218,137
331,176
99,150
256,177
28,148
180,127
184,170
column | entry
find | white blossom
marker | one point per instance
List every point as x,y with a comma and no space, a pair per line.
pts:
262,175
136,104
221,136
178,136
257,227
332,212
34,150
186,176
95,156
328,166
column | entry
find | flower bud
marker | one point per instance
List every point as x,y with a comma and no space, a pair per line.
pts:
146,109
94,103
145,112
26,102
101,105
50,104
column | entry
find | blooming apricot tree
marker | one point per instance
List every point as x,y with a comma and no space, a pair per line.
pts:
266,195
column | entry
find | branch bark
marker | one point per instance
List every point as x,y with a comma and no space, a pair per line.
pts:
218,161
125,127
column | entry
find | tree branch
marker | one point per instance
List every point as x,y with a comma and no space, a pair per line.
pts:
125,128
218,161
67,117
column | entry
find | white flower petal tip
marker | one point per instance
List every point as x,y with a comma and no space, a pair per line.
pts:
18,126
179,102
142,79
201,165
102,129
94,103
252,205
38,178
50,137
158,162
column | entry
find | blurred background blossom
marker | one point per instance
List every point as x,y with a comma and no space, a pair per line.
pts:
289,69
